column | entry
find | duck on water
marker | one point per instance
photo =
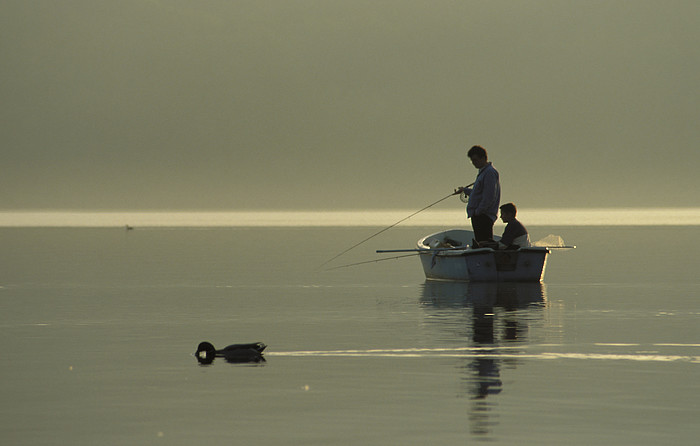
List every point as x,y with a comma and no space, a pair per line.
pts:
235,353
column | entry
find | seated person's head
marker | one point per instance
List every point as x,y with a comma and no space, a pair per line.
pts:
508,212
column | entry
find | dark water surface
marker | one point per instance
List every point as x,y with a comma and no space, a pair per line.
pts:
99,327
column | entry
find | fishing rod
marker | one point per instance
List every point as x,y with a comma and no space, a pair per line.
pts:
438,250
389,227
419,250
371,261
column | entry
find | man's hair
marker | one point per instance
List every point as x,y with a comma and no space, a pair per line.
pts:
477,151
509,208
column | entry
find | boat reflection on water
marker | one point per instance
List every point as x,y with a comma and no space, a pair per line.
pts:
508,295
492,319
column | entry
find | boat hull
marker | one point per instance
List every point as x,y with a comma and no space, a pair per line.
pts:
479,265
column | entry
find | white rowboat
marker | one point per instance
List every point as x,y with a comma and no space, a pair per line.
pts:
447,255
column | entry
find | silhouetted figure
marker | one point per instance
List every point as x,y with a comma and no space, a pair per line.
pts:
484,197
235,353
515,235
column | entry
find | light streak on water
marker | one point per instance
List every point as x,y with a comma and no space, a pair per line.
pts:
495,352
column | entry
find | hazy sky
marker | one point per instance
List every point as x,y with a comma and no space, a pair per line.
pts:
346,104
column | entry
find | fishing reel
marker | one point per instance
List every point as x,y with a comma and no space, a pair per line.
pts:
463,197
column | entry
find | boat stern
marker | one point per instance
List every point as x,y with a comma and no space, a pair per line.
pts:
522,265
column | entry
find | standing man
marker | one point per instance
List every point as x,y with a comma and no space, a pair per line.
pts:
484,197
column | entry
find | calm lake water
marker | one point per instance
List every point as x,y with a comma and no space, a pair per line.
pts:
99,326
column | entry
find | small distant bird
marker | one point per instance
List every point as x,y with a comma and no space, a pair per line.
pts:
129,228
235,353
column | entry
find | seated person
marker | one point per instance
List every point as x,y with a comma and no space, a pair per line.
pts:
515,235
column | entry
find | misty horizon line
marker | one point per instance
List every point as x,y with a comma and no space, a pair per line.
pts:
454,217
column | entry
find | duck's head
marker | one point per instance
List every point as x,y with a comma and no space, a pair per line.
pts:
205,353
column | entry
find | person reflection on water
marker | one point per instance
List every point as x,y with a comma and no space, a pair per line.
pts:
515,235
484,197
487,380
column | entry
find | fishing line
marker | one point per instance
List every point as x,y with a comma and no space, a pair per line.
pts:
389,227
